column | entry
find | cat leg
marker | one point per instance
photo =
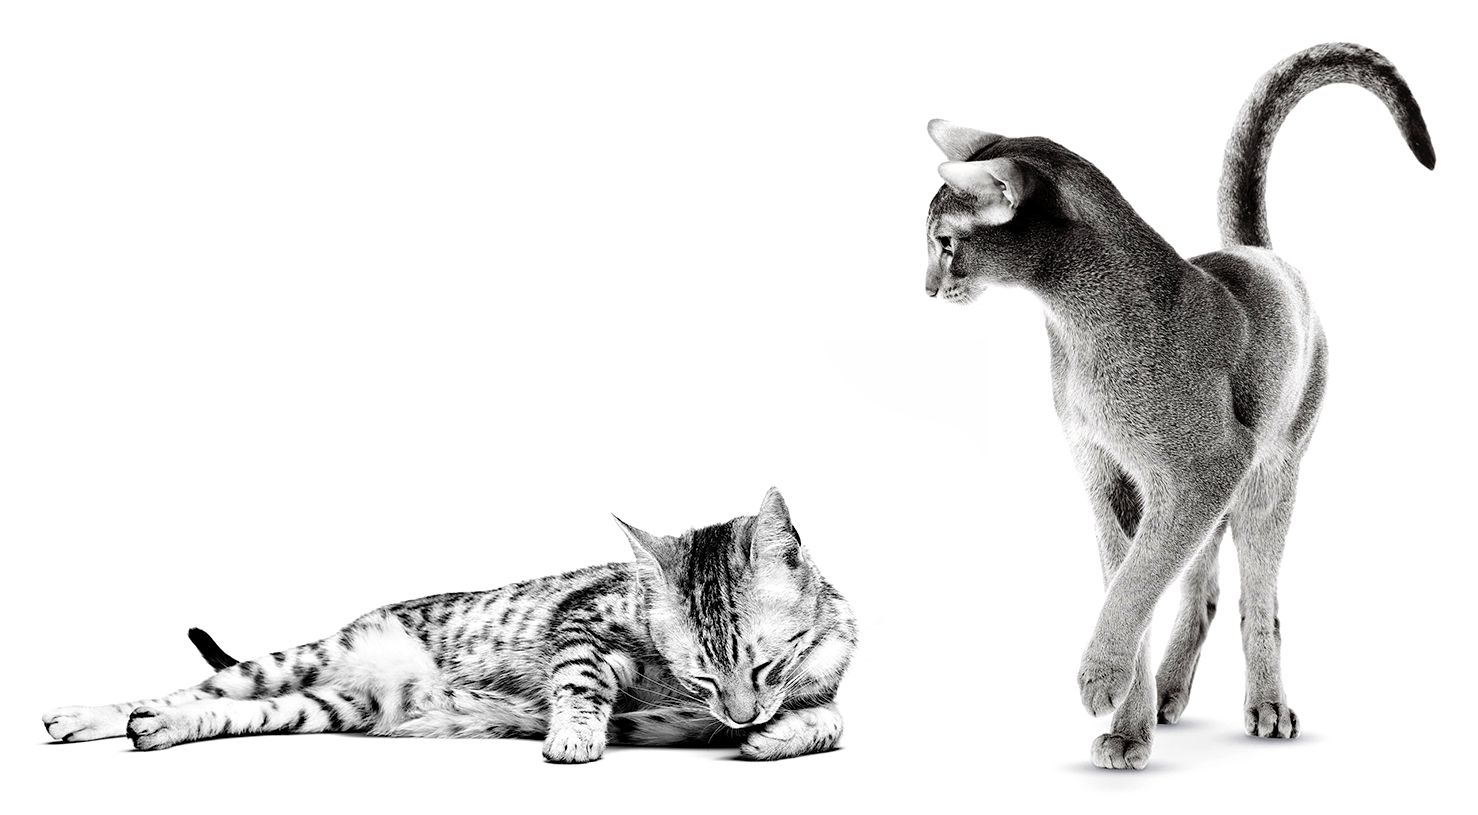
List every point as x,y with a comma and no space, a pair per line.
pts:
1182,508
269,675
583,689
1116,510
794,733
1259,525
87,723
1199,594
321,710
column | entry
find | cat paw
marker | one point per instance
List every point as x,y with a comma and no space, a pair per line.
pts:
1172,706
573,745
71,724
150,729
1104,683
1271,720
793,733
1114,752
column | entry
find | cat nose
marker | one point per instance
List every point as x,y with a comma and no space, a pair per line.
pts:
931,289
741,718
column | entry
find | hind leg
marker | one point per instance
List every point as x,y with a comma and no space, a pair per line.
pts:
1199,594
1259,524
88,723
315,711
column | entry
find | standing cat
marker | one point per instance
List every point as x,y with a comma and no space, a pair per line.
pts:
1188,388
722,635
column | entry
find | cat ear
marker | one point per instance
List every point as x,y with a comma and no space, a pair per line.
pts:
775,537
959,142
999,186
649,548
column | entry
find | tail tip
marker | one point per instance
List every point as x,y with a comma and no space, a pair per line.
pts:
1425,154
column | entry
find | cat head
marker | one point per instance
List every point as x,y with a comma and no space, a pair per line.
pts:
1000,211
736,611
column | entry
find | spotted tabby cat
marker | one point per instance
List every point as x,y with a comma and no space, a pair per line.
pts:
721,635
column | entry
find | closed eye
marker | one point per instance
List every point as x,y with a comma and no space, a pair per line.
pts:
708,683
759,671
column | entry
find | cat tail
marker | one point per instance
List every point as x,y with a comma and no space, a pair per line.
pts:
1243,210
214,656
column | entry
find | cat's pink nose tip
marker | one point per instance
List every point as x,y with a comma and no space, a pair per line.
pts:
931,290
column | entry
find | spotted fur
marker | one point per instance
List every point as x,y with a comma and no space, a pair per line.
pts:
722,635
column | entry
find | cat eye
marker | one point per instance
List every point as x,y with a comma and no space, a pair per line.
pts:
759,670
710,682
946,243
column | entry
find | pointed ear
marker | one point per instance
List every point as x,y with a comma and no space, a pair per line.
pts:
775,537
999,186
958,142
649,548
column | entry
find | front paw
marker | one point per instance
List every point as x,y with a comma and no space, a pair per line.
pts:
794,733
574,745
1104,680
1114,752
1271,720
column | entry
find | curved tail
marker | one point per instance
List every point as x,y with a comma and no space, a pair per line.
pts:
214,656
1243,209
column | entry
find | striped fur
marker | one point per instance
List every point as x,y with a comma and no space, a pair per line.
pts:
721,635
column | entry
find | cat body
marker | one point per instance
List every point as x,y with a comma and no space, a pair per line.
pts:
1188,388
725,635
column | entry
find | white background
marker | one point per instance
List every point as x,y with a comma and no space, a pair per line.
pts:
308,308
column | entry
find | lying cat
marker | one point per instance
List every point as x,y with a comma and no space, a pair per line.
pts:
1188,388
722,635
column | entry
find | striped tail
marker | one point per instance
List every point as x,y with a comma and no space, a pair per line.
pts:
217,658
1243,208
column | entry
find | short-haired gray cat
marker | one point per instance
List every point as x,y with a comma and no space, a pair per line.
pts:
1188,388
726,634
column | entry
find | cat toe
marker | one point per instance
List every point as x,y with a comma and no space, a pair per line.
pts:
73,724
149,729
1103,685
1271,720
1172,706
572,746
1115,752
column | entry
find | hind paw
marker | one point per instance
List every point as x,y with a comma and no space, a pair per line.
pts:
71,724
153,729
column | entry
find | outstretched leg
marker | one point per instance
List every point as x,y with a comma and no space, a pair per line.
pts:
364,648
1197,608
1259,525
88,723
317,711
1116,511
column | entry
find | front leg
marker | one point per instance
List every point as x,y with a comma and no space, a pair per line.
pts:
582,691
795,733
1180,515
1117,510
